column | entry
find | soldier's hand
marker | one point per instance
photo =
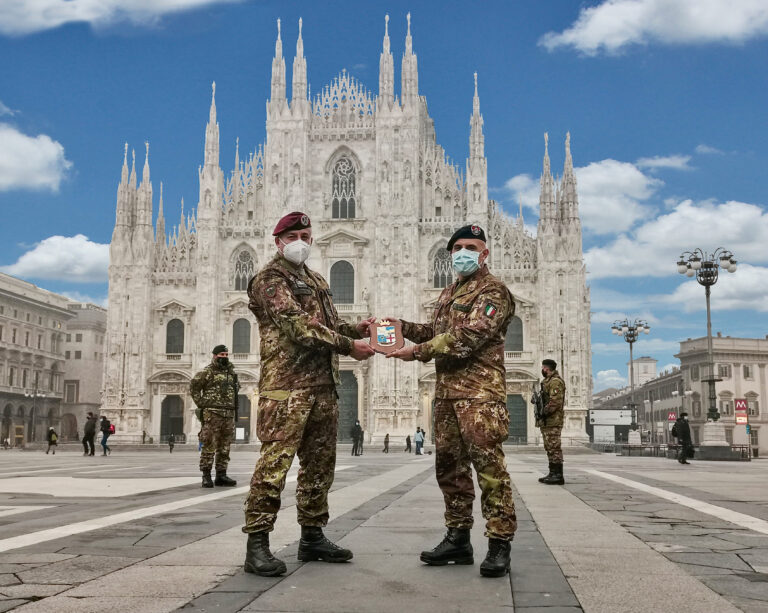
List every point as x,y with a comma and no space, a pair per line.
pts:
363,327
361,350
405,354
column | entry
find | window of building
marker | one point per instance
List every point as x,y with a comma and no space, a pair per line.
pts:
442,269
2,310
68,338
27,316
37,379
753,407
694,373
343,282
748,371
71,391
78,338
174,336
78,355
39,321
11,376
13,336
66,355
514,338
343,190
26,339
39,341
15,313
24,378
724,371
241,336
726,407
696,404
729,435
754,438
243,270
1,333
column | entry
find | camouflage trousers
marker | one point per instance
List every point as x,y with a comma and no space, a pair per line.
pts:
551,436
216,436
469,433
303,423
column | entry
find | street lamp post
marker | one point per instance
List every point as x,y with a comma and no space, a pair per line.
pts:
706,267
630,331
34,396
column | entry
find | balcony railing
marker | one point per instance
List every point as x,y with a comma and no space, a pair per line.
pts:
351,308
173,356
518,356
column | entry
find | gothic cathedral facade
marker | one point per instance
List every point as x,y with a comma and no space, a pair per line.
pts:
383,199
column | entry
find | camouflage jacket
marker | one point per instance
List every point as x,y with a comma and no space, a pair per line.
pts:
553,390
301,332
215,388
466,338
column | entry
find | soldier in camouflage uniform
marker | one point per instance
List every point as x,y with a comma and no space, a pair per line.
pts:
301,339
553,394
214,390
466,339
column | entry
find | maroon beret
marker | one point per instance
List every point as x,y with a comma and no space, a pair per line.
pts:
292,221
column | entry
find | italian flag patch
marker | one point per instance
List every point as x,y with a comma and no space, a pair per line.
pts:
490,310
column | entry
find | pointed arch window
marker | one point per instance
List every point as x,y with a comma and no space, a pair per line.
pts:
241,336
174,336
343,193
343,282
442,269
243,270
514,338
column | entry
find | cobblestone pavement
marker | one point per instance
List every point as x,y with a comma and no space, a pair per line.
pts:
135,532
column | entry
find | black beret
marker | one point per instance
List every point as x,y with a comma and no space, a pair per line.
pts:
220,349
292,221
550,363
472,231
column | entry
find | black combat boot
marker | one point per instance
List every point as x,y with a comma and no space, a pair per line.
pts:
259,559
314,546
222,479
455,547
496,563
556,478
548,475
207,481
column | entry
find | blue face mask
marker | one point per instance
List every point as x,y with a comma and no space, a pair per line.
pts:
465,262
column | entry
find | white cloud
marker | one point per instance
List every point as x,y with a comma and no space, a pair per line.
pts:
707,150
611,194
30,162
63,258
669,367
739,226
676,162
609,378
615,24
80,297
4,110
747,288
19,17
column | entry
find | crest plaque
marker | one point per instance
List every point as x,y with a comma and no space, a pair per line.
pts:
386,336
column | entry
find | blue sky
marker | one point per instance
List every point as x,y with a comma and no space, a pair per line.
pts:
665,101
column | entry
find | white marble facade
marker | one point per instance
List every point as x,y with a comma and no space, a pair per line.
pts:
383,199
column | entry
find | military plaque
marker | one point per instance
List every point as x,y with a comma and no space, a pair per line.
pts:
386,336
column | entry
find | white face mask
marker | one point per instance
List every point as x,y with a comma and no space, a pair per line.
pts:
296,252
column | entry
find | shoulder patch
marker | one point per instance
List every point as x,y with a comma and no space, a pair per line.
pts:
270,291
490,309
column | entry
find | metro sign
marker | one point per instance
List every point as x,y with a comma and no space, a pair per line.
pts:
671,416
740,405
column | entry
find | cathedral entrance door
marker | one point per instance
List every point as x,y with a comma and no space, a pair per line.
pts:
518,419
243,425
68,427
171,417
347,391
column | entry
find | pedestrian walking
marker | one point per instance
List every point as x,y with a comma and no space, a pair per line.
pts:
143,437
106,429
466,339
89,434
214,390
551,422
682,431
386,443
53,440
419,440
171,442
407,444
301,339
360,444
357,434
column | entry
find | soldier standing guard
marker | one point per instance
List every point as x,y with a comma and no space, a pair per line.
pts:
466,338
551,425
301,339
214,390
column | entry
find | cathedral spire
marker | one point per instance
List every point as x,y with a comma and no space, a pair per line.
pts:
124,175
145,173
568,204
160,226
476,137
278,70
410,71
547,196
299,86
237,154
386,68
212,133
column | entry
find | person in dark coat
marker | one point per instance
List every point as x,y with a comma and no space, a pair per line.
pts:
407,444
357,437
386,443
53,440
106,430
171,442
89,433
682,430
